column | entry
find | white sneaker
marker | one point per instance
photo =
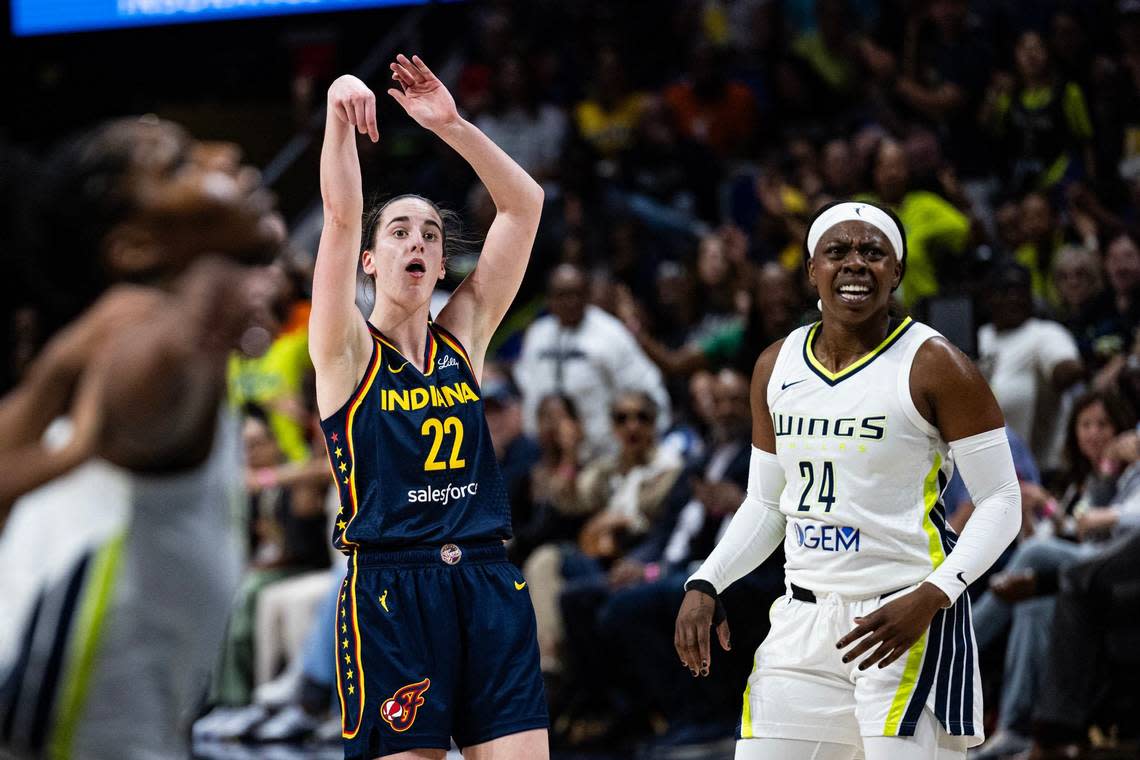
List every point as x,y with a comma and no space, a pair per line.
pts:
241,722
292,724
281,691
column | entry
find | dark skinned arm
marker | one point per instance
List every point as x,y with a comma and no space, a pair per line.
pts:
952,395
695,618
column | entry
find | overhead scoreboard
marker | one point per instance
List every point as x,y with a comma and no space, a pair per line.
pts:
36,17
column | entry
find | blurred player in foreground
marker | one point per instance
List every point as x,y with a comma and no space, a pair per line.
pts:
117,576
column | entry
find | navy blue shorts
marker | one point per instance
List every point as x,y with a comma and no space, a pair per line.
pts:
432,644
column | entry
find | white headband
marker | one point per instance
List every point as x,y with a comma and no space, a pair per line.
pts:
858,212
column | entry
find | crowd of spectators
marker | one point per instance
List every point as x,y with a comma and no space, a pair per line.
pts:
683,145
670,255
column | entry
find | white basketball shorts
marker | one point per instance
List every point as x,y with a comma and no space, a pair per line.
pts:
800,688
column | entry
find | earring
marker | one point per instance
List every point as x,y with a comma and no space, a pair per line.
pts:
819,304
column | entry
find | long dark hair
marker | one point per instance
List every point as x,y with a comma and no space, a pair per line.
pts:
78,196
1120,414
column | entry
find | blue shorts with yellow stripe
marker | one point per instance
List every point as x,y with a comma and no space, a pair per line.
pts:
433,644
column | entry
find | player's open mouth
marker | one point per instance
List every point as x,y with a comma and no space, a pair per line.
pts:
416,268
854,294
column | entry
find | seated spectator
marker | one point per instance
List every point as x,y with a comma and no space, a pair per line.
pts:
275,381
551,484
1042,238
628,607
608,117
669,170
581,351
1041,122
943,81
1122,268
1081,666
775,307
1028,362
1092,511
711,108
515,451
828,58
287,536
620,496
1086,308
623,492
936,232
528,130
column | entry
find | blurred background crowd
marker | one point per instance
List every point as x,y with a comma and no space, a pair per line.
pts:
683,145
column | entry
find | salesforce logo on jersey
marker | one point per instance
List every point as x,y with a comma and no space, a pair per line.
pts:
828,538
444,495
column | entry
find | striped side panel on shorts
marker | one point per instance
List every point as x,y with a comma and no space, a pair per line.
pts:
948,669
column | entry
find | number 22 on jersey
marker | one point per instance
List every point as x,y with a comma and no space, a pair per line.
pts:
437,430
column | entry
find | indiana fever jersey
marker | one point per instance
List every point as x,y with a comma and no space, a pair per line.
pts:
865,471
412,454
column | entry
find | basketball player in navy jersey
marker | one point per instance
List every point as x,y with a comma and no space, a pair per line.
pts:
858,422
435,629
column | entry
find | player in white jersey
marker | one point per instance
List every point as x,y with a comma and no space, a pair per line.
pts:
116,578
858,422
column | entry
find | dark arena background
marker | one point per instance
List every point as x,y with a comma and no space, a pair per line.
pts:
682,145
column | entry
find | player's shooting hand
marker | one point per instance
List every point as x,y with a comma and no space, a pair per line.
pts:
353,103
893,628
421,94
691,634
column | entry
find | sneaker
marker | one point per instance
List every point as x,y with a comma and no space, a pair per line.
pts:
292,724
209,726
1003,744
241,723
329,731
281,691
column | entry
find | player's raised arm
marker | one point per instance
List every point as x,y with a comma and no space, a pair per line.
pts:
756,530
479,303
338,339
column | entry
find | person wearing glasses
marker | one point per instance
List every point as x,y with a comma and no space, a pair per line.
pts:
616,499
435,633
859,420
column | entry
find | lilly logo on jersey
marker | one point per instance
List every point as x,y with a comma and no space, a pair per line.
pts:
828,538
399,711
446,361
392,400
442,496
867,428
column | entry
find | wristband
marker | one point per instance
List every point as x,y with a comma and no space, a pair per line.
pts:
708,589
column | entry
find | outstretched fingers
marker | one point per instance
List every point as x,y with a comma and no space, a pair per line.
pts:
422,67
415,72
402,75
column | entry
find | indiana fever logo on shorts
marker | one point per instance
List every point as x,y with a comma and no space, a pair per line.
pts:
400,710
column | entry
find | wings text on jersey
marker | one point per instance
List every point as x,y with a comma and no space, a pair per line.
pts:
868,428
